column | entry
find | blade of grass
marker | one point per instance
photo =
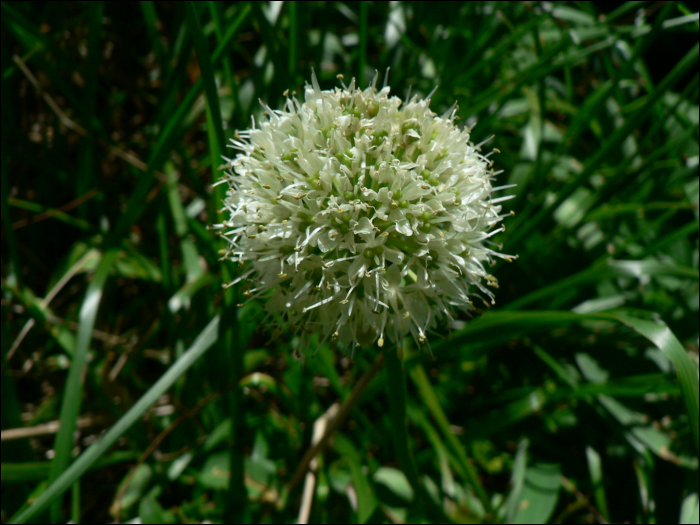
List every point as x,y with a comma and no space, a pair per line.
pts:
89,96
203,342
72,396
231,354
612,143
495,327
293,8
600,272
150,17
595,468
666,341
396,392
363,45
39,470
214,10
45,213
430,399
366,500
232,30
75,502
190,256
274,54
138,199
208,79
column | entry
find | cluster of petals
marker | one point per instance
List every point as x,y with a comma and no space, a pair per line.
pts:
360,216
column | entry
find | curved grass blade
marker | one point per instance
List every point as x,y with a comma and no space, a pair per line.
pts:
612,143
497,327
594,274
430,399
72,396
666,341
396,391
205,340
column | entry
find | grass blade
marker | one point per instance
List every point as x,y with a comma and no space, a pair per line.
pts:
666,341
208,79
72,396
421,380
611,144
396,391
363,45
205,340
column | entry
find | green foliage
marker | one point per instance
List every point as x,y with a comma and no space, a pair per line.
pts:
574,400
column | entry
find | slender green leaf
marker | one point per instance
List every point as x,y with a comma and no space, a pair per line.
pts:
72,396
663,338
539,494
205,339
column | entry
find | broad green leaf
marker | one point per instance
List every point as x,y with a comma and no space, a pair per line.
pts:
690,509
539,494
132,488
395,481
366,500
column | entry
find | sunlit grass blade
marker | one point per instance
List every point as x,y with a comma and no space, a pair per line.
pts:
421,380
606,270
396,392
612,143
72,396
208,79
595,468
203,342
366,499
666,341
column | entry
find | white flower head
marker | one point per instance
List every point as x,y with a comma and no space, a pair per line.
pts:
361,216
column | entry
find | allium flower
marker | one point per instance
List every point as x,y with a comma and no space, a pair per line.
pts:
361,216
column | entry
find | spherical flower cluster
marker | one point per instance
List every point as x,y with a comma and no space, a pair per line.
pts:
361,216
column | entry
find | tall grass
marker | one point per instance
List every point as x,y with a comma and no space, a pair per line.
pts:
132,381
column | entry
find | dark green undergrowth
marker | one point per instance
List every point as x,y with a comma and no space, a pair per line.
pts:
135,390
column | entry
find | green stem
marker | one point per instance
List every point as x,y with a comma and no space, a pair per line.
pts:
396,391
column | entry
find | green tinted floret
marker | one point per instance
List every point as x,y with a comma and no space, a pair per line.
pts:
290,155
345,158
379,138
